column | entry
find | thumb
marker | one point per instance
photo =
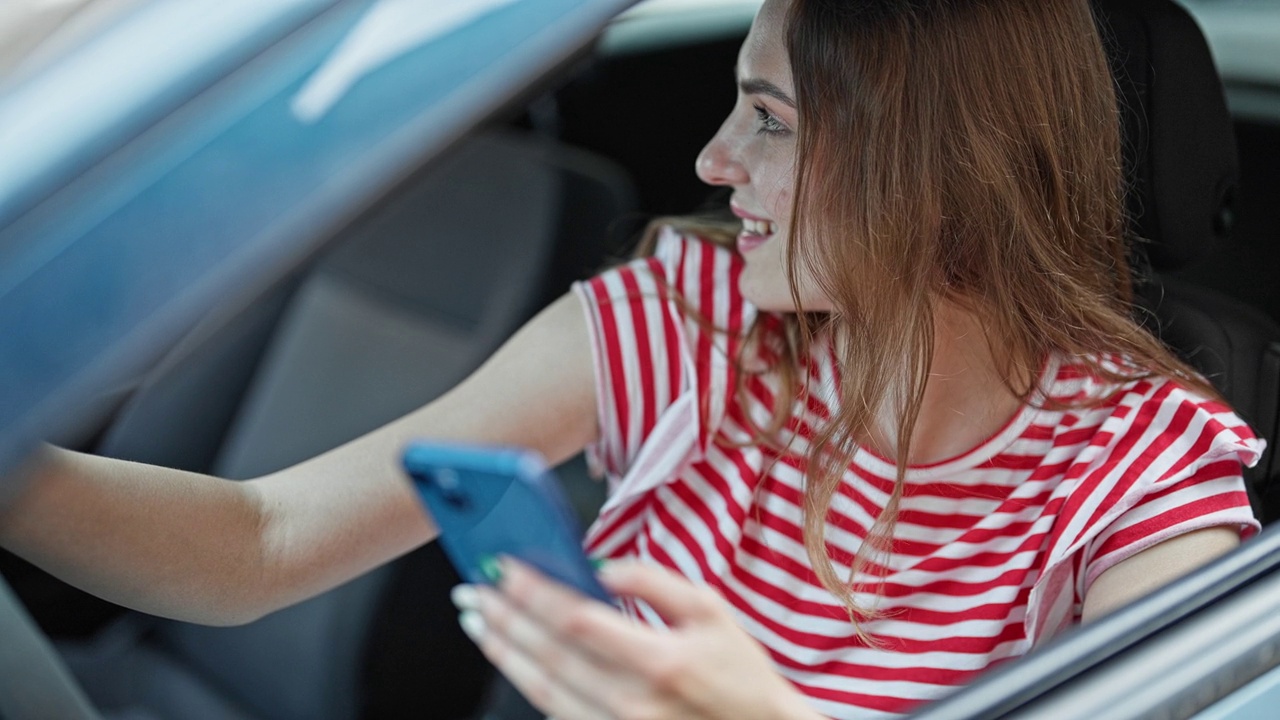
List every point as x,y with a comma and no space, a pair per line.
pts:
673,596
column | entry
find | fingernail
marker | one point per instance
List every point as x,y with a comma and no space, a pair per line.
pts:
465,597
492,568
472,624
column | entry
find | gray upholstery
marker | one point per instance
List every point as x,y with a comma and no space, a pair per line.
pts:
33,681
410,300
132,680
179,415
413,300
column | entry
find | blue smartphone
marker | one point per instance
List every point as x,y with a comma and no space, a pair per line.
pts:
491,501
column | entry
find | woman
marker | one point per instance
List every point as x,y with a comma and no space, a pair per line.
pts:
902,430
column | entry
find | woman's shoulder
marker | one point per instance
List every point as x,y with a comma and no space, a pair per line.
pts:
689,256
1116,380
696,271
662,329
1132,413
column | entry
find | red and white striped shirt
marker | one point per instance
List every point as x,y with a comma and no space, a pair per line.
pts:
994,550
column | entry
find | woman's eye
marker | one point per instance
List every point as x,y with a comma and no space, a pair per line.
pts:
768,123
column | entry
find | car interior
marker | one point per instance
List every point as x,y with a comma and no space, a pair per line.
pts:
414,293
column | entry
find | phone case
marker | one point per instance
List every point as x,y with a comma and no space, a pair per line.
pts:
493,501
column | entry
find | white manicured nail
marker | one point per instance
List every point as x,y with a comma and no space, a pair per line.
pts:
465,597
472,624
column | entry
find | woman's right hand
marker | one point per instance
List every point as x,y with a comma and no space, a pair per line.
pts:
577,658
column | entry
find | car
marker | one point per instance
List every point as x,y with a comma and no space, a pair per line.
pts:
234,234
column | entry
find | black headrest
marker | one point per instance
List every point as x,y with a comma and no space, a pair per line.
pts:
1180,151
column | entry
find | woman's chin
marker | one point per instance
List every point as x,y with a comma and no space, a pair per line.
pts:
765,295
772,294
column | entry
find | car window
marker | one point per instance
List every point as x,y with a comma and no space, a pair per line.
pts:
227,164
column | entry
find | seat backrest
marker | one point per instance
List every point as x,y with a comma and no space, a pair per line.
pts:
410,300
408,303
1182,170
1180,149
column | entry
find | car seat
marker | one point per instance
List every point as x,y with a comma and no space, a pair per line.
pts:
1182,170
411,298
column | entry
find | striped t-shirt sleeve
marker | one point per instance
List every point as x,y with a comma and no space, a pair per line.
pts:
637,341
1203,487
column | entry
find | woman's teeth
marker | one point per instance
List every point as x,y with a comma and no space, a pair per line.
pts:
759,227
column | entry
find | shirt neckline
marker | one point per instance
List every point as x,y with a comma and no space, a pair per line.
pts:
871,461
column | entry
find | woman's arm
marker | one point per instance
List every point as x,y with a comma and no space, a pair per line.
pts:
1155,567
188,546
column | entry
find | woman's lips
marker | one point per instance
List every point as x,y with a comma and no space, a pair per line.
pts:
748,241
755,229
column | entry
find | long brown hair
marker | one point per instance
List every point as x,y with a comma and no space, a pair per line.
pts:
958,150
965,151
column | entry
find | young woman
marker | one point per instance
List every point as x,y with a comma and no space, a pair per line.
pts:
897,429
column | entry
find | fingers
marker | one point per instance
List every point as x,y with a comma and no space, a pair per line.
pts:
671,595
543,654
575,657
588,624
532,677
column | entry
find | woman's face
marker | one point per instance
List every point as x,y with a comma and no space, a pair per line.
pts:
754,152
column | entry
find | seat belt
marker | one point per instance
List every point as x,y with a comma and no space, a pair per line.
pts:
34,683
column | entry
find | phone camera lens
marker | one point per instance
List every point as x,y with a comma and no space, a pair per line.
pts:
451,488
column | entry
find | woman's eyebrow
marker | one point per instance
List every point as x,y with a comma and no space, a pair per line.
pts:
756,86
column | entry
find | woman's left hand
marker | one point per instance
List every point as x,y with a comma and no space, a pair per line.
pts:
577,658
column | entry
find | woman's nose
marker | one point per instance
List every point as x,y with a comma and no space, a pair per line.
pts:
717,164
